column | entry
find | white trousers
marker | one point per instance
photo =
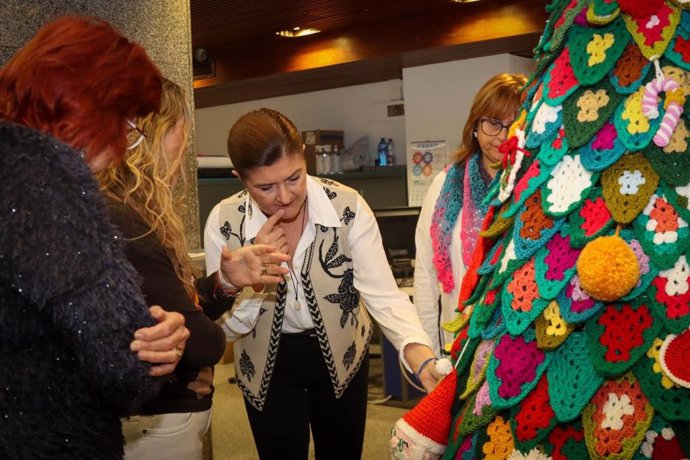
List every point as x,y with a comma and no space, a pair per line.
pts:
165,436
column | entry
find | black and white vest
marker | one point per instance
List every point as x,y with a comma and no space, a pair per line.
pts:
342,324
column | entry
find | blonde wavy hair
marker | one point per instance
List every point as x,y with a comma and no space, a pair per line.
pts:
145,179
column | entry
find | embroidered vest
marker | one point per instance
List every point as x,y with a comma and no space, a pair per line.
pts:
342,324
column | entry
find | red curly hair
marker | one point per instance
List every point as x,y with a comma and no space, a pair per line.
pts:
79,80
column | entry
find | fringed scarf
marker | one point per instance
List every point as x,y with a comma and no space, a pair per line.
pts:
460,191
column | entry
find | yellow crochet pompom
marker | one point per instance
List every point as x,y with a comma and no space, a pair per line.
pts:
608,268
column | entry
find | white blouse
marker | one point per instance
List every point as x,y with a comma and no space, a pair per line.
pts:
373,279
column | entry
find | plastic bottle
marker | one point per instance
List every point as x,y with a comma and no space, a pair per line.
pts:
319,160
382,152
327,159
337,160
390,153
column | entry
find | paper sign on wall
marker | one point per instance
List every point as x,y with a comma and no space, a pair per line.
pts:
425,160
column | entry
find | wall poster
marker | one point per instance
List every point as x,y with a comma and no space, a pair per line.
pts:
425,159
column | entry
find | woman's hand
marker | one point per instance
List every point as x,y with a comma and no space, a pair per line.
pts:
273,234
415,355
162,344
258,264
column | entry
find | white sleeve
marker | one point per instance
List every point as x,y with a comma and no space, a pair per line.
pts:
426,287
389,306
213,240
240,320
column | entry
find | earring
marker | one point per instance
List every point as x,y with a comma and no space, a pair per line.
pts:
474,133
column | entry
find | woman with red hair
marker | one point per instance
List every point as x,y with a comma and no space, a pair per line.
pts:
69,301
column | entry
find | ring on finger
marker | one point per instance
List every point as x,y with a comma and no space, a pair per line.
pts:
179,351
264,269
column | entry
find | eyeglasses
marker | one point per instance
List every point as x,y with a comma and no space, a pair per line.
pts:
492,127
135,136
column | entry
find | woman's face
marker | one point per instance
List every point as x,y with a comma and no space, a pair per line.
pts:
173,140
491,133
282,185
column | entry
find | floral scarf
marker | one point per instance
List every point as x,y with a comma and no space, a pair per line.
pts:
459,191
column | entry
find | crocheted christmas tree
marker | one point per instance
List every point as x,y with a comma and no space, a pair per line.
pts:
573,336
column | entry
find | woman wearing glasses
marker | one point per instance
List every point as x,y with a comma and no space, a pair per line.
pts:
451,217
141,204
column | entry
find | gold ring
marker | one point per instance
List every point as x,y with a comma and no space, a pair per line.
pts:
178,352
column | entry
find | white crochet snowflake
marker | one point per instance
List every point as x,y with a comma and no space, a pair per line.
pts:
614,410
677,277
630,182
569,180
545,115
534,454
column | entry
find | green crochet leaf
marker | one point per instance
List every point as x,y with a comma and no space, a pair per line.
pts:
567,442
602,12
500,225
525,187
477,370
663,233
477,411
672,167
635,130
595,50
631,70
555,264
669,294
576,306
586,111
618,406
679,198
495,327
569,184
492,259
544,121
669,400
560,80
520,301
620,335
627,187
590,221
679,49
572,378
515,367
603,150
554,149
550,327
533,418
483,312
533,227
509,262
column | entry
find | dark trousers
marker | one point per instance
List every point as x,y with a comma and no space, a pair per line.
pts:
301,396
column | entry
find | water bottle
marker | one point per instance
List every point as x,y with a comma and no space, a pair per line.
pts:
390,153
337,160
319,161
382,152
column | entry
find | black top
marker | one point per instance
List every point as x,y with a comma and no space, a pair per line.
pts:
69,306
161,286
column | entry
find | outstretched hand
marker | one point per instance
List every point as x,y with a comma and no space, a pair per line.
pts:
253,265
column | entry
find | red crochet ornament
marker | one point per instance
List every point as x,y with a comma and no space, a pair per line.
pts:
673,357
640,9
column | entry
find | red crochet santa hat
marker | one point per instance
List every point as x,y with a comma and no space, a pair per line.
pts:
422,432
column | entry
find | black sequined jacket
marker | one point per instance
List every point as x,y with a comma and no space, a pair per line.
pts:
69,306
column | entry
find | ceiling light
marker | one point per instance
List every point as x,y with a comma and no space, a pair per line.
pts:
297,32
464,1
